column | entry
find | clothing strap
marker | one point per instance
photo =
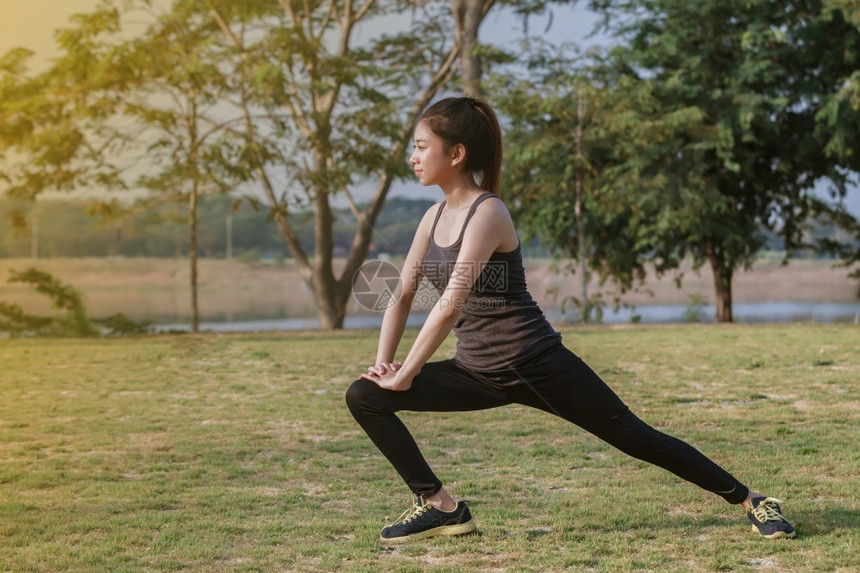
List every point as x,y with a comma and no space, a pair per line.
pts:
481,198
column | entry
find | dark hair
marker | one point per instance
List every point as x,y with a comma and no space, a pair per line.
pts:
473,123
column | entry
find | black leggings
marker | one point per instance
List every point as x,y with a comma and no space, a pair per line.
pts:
558,382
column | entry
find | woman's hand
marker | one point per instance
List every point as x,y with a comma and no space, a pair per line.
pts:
382,368
385,375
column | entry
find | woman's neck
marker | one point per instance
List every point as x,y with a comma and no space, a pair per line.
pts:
460,196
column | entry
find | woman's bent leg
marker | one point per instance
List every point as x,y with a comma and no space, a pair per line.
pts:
440,387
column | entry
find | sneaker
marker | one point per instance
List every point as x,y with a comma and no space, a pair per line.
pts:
767,519
422,520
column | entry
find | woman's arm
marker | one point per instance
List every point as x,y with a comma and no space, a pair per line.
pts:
490,227
394,320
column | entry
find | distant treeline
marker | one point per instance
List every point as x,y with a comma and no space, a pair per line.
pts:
63,228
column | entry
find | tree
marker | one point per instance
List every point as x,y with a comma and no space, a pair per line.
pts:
52,136
171,88
306,111
337,114
327,114
550,168
754,77
571,120
111,107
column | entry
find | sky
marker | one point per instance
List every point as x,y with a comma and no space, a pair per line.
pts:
31,23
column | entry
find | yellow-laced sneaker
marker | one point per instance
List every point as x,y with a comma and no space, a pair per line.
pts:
766,518
422,520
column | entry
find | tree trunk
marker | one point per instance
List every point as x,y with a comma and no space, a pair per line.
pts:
331,306
331,310
468,15
192,255
228,247
580,223
34,236
723,273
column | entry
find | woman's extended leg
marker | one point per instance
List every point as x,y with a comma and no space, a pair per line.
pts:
562,384
572,390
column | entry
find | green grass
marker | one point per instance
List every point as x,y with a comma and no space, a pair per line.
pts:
237,453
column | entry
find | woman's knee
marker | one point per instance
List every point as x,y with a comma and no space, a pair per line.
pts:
355,394
359,395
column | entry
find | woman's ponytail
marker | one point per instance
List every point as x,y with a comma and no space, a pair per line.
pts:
474,124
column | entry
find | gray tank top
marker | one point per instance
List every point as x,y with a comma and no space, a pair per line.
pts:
500,326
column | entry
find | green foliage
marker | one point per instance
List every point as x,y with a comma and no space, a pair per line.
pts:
708,122
588,311
119,324
693,312
752,74
14,321
51,123
621,223
73,322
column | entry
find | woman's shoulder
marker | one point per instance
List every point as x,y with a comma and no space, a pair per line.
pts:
492,219
431,212
428,218
493,205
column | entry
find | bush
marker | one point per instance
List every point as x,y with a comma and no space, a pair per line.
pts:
74,322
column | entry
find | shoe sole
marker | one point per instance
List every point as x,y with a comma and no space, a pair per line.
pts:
775,535
449,530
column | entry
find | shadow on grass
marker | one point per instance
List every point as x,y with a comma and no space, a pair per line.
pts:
807,523
389,548
825,520
678,523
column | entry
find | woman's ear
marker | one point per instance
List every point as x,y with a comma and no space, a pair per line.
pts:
458,154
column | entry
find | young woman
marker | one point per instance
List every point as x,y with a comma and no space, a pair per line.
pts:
507,352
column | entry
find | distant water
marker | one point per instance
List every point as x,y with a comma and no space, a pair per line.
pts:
821,312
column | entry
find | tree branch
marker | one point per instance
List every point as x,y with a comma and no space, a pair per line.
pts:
362,11
223,25
361,239
280,217
352,205
332,9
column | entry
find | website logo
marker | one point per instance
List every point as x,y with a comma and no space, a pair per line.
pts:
375,285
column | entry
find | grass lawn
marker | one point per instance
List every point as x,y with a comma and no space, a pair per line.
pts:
237,453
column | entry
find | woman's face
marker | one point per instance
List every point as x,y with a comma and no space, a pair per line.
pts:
430,161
